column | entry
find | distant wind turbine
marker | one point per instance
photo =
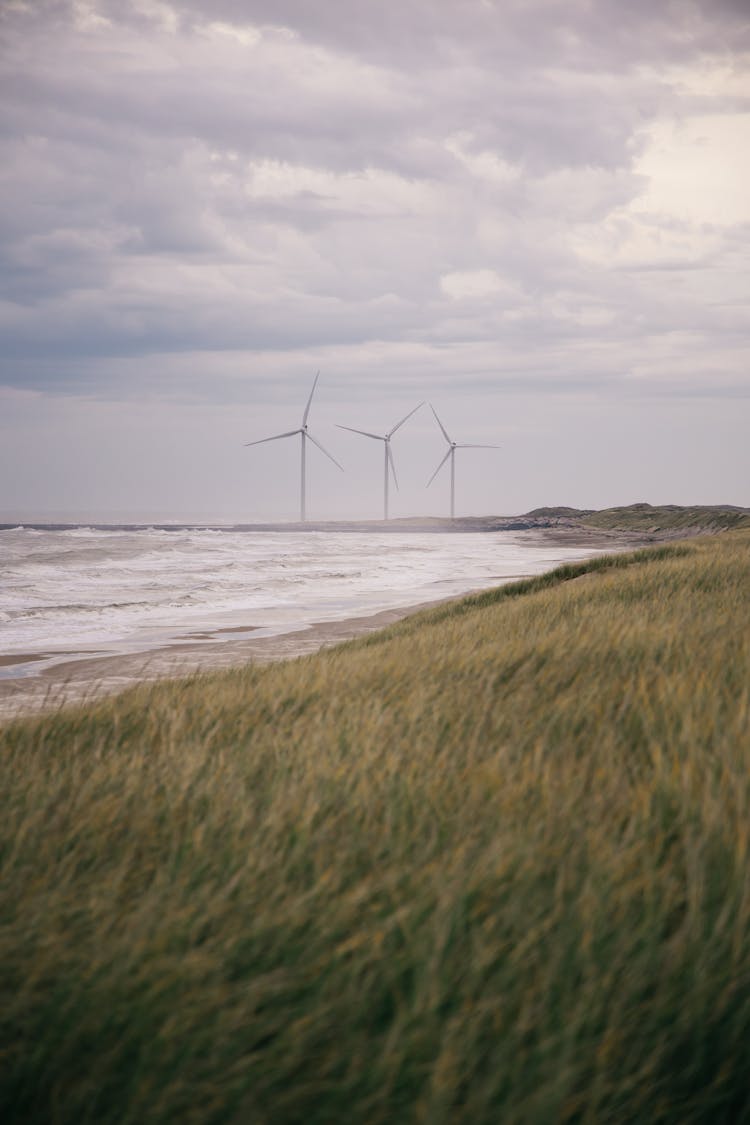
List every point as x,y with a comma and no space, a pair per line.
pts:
387,453
452,447
304,436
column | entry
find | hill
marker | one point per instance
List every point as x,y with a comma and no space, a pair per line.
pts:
672,517
647,519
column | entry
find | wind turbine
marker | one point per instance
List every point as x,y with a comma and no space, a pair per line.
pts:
387,453
452,447
304,436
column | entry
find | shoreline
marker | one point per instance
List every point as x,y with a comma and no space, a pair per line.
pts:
91,677
86,676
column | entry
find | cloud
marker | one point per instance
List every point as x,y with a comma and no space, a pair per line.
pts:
506,184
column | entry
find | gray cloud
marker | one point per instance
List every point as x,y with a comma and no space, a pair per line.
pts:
609,34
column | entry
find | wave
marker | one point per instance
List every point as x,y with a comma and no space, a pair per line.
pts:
109,587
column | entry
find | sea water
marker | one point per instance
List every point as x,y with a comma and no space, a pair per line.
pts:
82,589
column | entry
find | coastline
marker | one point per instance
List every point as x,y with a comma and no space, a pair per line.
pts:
85,676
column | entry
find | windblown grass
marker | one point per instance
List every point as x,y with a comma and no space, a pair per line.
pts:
489,865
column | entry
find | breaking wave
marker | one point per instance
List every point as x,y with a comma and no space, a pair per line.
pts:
92,589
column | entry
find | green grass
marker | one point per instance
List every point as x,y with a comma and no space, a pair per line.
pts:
645,517
489,865
649,519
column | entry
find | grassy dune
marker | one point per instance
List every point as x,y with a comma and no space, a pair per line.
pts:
487,866
645,517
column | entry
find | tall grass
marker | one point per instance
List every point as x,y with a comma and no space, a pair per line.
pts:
489,865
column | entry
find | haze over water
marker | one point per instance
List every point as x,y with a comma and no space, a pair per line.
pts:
83,589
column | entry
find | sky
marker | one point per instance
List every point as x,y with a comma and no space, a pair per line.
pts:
533,214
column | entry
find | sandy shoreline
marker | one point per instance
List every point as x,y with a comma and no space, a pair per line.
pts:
85,676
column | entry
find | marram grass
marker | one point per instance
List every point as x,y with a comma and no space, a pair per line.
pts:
487,866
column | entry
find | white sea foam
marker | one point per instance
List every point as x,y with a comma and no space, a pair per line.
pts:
87,589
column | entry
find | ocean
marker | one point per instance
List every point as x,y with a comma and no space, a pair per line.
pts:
88,590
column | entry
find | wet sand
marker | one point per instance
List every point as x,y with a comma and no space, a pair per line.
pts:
22,658
92,676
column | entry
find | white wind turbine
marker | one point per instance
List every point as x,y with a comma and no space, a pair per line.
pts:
387,453
304,436
452,447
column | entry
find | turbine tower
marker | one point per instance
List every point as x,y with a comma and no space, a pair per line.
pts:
305,435
452,447
388,462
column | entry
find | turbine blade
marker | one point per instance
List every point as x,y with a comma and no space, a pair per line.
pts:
322,450
465,445
275,437
392,463
442,427
437,470
312,392
405,419
363,432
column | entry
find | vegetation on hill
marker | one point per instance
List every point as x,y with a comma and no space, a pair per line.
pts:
647,518
644,517
488,865
561,511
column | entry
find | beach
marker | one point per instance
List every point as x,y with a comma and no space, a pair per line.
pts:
336,587
83,678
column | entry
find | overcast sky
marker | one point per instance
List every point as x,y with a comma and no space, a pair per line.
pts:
533,213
